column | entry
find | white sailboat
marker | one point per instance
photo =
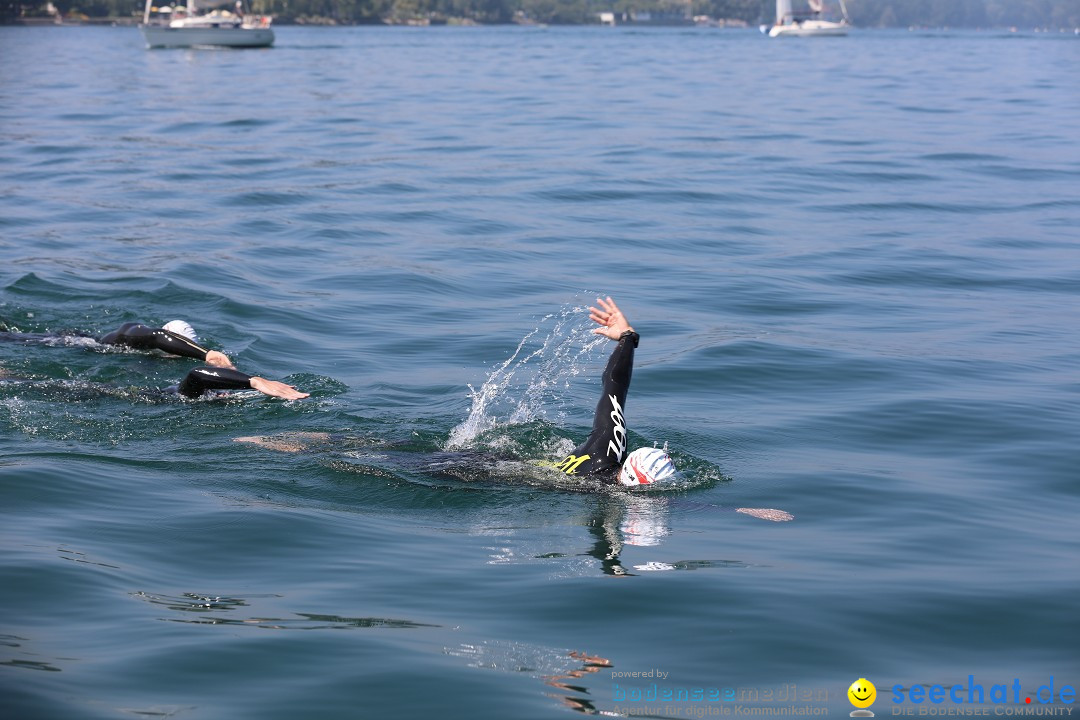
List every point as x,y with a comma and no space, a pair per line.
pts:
811,23
189,27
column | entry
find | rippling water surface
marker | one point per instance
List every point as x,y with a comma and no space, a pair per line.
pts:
853,263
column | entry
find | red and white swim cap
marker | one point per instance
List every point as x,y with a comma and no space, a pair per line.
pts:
645,466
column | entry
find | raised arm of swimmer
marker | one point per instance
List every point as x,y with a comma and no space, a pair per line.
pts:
604,452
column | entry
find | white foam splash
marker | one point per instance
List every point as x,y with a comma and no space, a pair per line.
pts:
523,388
72,341
655,566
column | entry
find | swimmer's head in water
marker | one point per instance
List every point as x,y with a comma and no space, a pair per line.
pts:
181,327
645,466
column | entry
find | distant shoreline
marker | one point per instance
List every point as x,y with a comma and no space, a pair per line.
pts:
462,22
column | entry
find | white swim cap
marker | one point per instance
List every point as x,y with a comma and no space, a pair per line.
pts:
645,466
181,327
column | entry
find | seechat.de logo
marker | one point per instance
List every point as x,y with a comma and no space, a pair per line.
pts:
974,693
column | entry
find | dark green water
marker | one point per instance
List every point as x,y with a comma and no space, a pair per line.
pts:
854,266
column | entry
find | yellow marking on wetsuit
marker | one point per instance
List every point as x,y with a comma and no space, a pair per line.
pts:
571,464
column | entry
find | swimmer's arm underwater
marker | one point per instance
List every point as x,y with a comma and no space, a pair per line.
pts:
141,337
292,442
202,379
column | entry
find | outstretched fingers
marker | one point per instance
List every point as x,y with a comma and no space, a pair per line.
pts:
610,319
273,388
604,314
287,392
608,304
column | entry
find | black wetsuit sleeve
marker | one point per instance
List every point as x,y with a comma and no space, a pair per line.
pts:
204,378
605,447
142,337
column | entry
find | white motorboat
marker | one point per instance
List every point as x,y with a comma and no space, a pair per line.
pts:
165,27
811,23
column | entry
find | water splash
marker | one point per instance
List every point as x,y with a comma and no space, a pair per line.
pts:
82,341
534,380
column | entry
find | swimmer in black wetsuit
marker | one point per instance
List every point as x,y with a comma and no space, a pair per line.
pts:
603,454
605,448
204,379
178,338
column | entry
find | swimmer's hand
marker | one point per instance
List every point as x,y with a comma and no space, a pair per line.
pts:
273,388
286,442
610,319
770,514
218,359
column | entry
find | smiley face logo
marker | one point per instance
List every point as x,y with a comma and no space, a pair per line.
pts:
862,693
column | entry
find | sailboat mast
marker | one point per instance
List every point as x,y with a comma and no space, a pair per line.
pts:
783,11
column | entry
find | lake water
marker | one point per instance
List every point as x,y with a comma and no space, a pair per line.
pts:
854,267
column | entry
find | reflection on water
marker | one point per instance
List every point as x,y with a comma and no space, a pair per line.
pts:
626,519
16,643
555,668
221,607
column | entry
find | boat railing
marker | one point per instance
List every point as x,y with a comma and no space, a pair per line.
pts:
179,17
